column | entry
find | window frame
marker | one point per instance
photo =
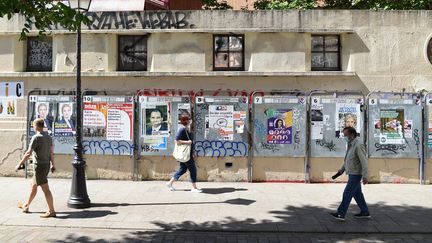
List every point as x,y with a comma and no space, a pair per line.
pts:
119,51
339,48
242,67
38,68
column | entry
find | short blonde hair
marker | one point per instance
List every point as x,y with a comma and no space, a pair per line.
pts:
39,122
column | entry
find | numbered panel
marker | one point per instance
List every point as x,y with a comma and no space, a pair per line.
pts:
395,125
279,126
328,117
108,125
428,125
59,114
221,125
159,121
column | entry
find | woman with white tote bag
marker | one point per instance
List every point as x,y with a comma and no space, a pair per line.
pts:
183,153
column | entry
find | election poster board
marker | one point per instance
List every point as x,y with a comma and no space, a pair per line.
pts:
329,115
395,125
279,124
221,125
59,115
159,121
108,125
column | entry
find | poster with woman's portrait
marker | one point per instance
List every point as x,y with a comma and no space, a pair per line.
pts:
279,126
43,110
65,123
347,115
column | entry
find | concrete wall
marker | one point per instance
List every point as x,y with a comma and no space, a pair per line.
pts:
381,51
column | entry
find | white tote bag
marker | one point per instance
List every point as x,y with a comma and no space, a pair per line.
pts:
182,151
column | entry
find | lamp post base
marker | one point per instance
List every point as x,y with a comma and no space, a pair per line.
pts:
78,197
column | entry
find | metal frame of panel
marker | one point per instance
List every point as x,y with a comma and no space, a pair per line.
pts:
328,123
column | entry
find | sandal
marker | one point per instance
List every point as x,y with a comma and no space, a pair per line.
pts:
48,215
25,209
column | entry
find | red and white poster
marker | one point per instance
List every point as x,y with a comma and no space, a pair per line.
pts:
94,119
119,121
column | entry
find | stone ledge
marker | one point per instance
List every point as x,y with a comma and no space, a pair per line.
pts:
179,74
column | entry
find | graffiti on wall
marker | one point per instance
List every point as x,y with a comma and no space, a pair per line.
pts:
392,148
330,145
297,121
271,147
139,20
217,148
108,147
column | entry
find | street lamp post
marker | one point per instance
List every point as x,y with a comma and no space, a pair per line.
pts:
78,197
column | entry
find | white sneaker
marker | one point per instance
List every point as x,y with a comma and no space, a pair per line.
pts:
170,186
196,190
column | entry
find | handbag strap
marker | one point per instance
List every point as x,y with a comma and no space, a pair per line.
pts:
187,133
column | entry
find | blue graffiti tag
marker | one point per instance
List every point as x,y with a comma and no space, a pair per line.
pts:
107,147
260,128
218,148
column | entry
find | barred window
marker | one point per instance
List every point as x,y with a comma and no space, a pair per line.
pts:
132,53
39,54
326,53
228,52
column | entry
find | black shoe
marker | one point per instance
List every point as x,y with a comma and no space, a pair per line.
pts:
362,216
337,216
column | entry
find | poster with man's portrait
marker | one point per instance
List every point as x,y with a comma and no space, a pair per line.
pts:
347,115
65,123
155,119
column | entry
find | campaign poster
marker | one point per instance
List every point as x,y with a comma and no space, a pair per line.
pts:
221,118
155,120
347,115
45,111
119,121
279,126
392,122
65,123
317,122
94,119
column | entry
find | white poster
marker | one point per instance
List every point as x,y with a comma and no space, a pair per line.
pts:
119,121
221,118
347,115
317,121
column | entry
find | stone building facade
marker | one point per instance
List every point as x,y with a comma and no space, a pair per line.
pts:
364,51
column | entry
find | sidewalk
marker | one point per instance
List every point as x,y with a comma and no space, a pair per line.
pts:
229,207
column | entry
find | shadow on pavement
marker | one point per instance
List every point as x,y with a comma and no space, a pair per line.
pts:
221,190
88,214
299,224
236,201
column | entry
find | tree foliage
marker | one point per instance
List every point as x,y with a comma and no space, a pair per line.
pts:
42,15
287,4
215,5
346,4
